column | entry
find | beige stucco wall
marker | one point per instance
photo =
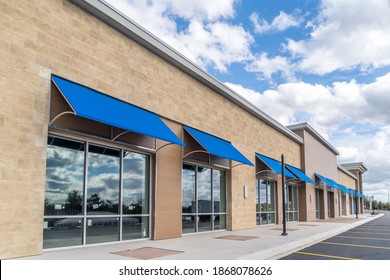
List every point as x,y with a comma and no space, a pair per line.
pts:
349,182
40,38
317,159
346,180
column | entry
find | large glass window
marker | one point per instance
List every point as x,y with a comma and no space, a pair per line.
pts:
292,203
64,177
135,183
265,201
204,189
350,205
203,199
317,203
103,181
102,178
343,205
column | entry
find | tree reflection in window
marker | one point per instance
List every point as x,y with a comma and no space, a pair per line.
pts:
64,177
103,180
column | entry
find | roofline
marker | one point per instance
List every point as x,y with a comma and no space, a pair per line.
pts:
313,132
120,22
341,168
355,165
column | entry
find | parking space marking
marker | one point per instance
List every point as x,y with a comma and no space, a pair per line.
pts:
369,238
325,256
356,245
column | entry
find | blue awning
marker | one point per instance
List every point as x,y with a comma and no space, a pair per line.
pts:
275,165
333,184
217,146
354,192
96,106
351,191
327,181
343,188
360,195
300,174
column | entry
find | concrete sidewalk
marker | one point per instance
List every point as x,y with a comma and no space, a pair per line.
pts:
264,242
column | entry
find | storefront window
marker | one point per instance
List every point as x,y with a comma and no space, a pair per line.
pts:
219,191
203,199
204,189
292,203
103,181
80,173
64,177
265,201
188,189
135,183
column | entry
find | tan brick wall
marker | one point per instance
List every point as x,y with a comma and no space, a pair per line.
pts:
42,37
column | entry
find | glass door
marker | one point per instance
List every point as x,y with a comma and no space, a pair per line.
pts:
265,201
317,203
292,213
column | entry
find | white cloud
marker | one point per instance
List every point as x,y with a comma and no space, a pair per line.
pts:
269,66
373,150
207,37
352,116
280,23
346,35
211,44
201,9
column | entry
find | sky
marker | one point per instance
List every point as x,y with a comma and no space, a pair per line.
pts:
325,62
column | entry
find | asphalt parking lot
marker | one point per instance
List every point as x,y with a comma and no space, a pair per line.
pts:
370,241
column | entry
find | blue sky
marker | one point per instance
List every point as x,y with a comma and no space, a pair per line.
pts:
325,62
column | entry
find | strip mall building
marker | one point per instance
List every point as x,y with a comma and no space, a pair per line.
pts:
109,135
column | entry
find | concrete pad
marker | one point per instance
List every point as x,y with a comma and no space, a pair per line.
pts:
266,242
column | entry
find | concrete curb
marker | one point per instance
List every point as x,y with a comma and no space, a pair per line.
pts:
305,242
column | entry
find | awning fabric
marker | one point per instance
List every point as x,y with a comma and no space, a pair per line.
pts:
217,146
327,181
360,195
353,192
102,108
334,184
343,188
300,174
275,165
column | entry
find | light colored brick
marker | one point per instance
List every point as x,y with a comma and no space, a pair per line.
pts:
57,37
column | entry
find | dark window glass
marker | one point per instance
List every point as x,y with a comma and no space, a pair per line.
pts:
104,229
134,227
188,223
204,223
64,177
219,222
135,183
103,180
62,232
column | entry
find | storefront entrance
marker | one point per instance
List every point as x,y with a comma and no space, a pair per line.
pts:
94,194
265,201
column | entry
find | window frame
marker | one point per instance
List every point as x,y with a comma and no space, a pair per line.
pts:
84,216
